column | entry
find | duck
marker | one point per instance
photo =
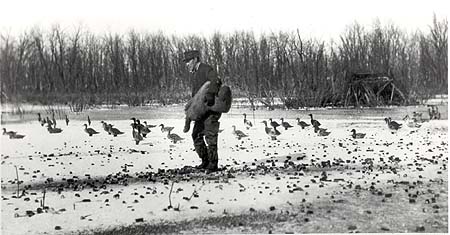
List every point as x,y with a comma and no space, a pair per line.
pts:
286,125
248,124
89,130
53,130
313,121
67,120
9,133
165,129
392,124
357,135
302,124
113,131
273,123
174,137
89,120
136,132
273,133
239,133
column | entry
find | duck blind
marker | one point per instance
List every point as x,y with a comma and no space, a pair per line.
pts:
371,89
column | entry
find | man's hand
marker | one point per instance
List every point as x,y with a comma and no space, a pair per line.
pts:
209,98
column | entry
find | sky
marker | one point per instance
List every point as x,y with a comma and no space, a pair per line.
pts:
316,18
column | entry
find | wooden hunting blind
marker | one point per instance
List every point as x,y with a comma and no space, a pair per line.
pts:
372,90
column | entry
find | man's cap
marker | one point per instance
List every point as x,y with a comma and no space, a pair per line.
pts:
189,55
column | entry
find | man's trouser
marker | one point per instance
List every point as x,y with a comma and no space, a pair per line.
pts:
207,128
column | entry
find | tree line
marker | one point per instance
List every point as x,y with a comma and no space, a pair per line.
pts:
80,67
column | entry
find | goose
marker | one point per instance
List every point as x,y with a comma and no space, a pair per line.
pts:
248,124
392,124
89,120
39,117
273,133
8,132
149,125
113,131
53,120
89,130
67,120
16,136
165,129
318,129
174,137
138,123
136,132
313,121
417,117
323,132
43,121
286,125
411,123
357,135
48,121
302,124
434,113
239,133
105,126
144,130
53,130
273,123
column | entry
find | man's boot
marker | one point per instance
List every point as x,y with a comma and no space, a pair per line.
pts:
203,154
213,159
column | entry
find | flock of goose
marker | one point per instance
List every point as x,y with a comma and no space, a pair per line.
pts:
140,130
414,122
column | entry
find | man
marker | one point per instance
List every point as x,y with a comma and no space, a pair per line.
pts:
207,128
